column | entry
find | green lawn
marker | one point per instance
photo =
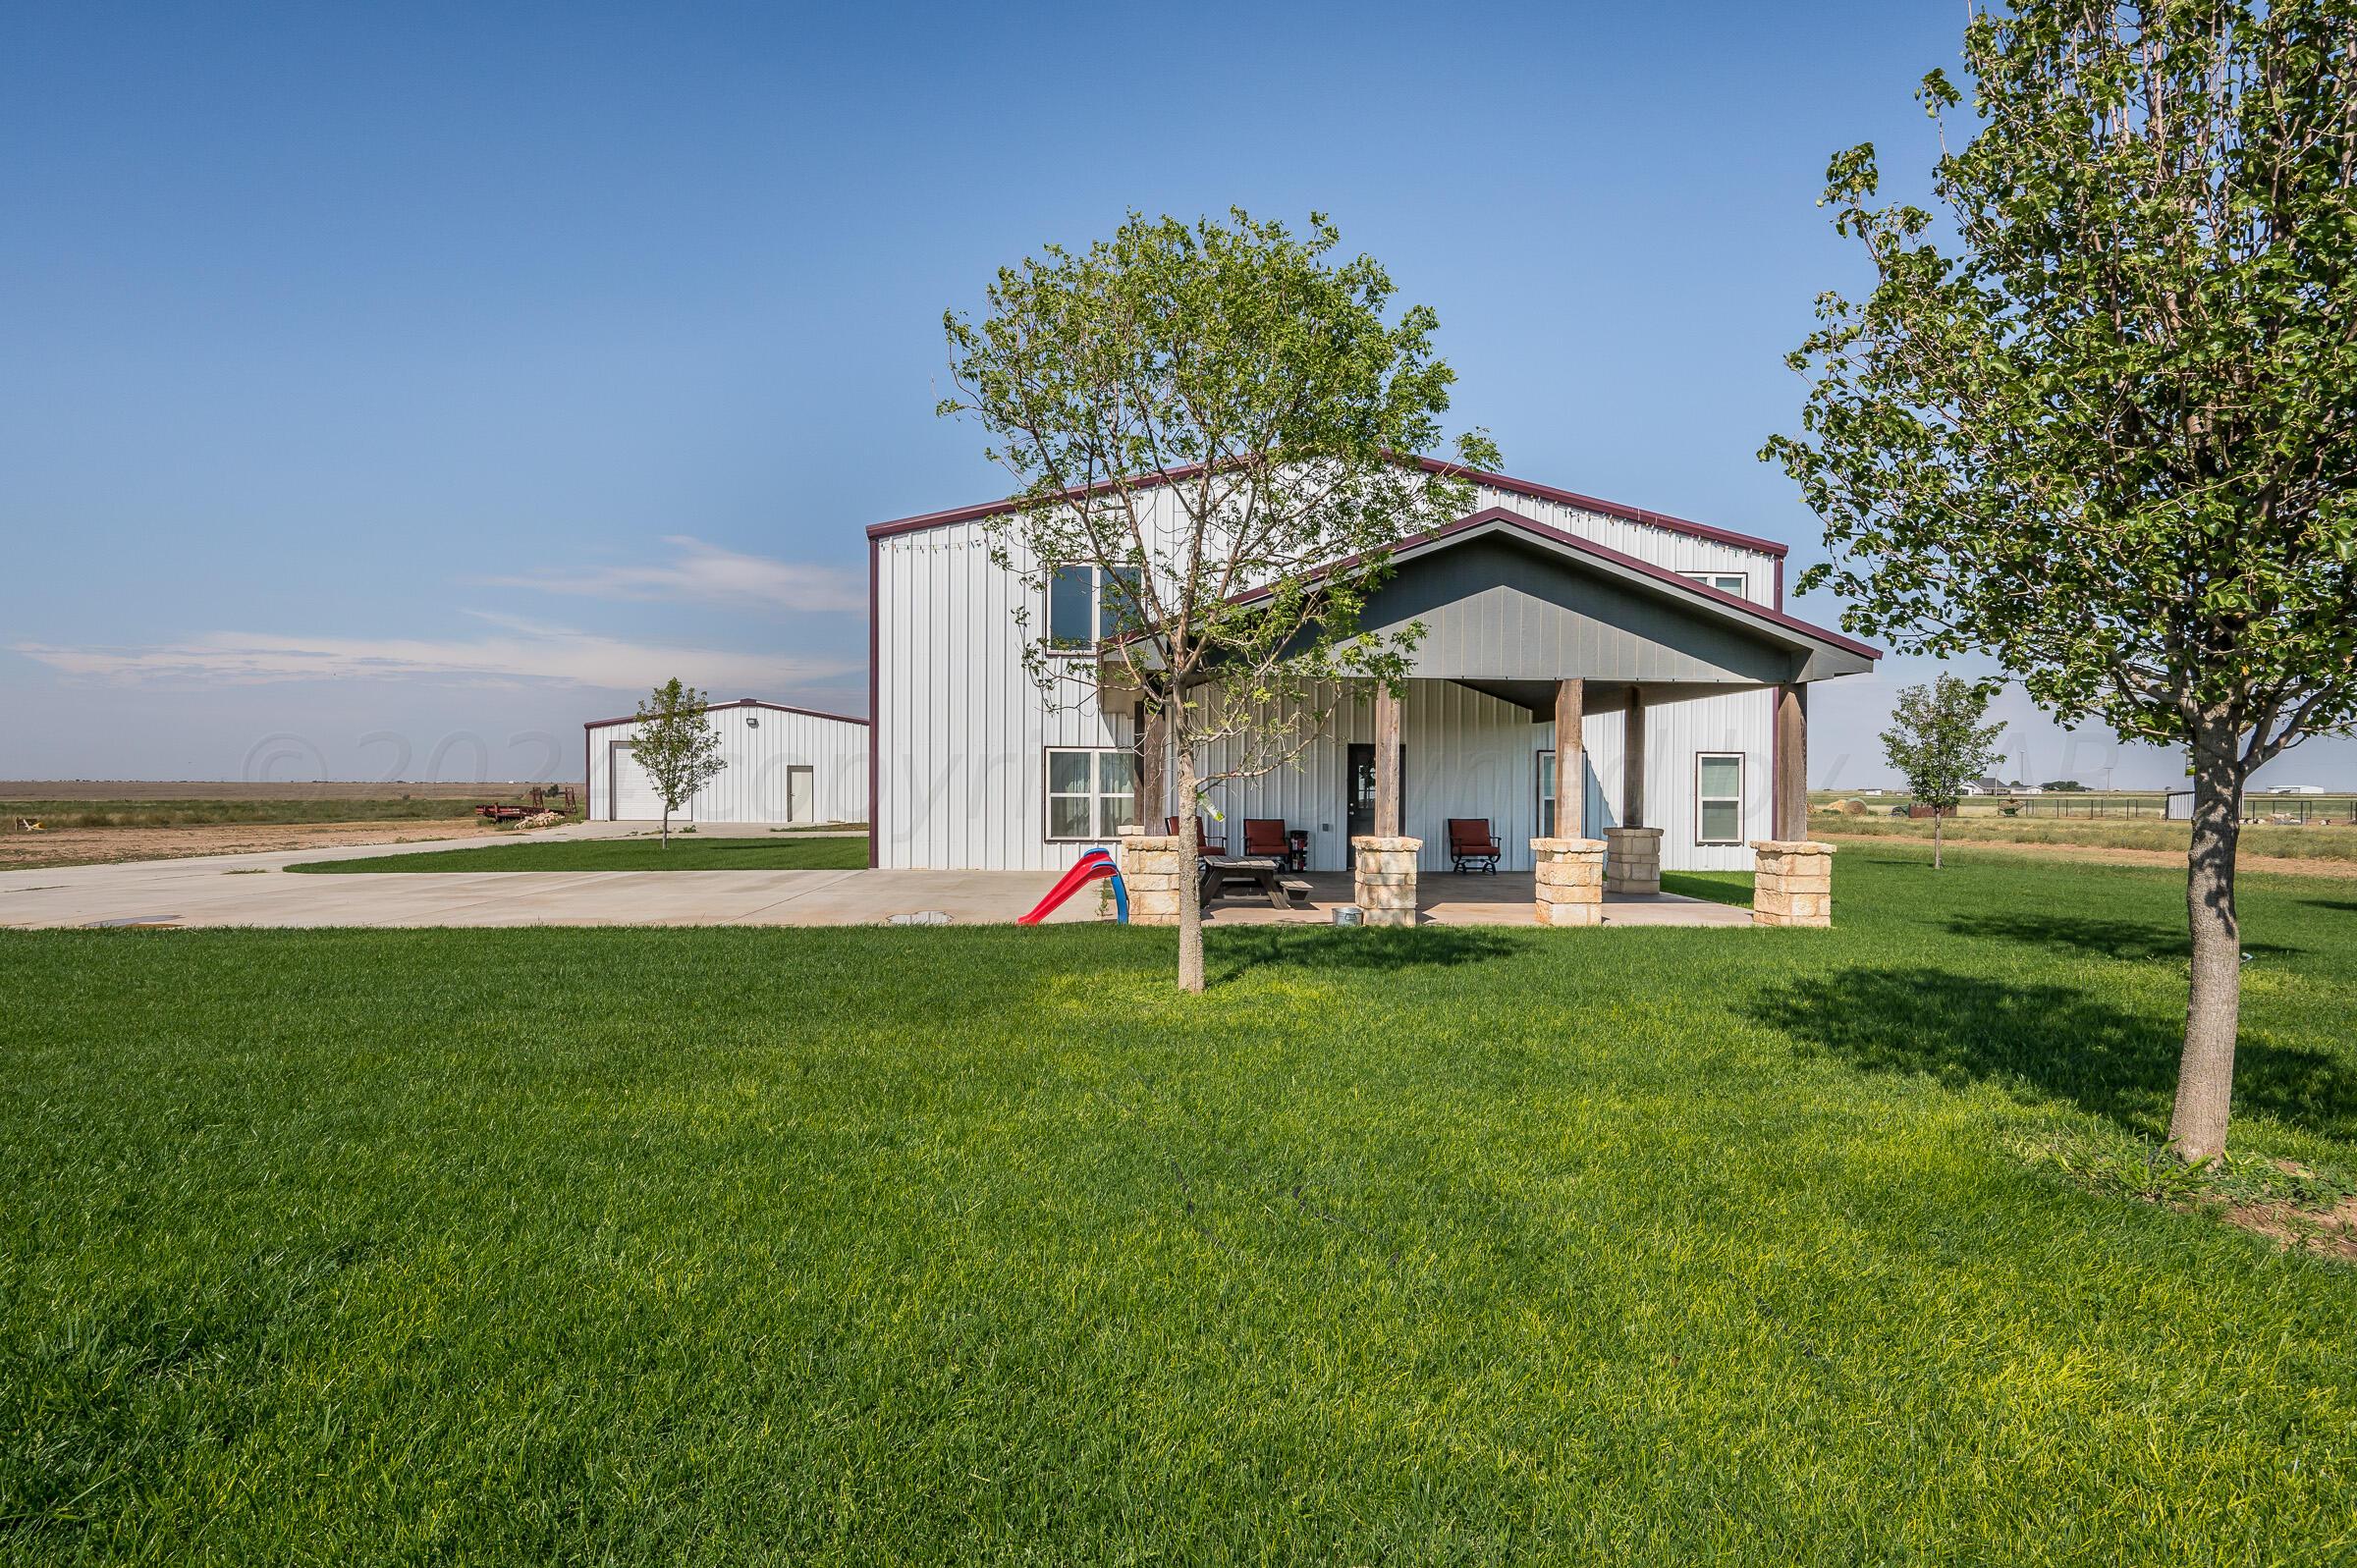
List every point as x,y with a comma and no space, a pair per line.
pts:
693,852
859,1246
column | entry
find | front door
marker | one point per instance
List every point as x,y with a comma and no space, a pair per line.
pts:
1358,796
798,794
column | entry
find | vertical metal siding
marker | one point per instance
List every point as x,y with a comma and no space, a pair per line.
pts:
1662,547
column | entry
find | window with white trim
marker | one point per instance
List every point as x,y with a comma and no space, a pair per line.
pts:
1092,792
1719,797
1089,605
1735,582
1547,794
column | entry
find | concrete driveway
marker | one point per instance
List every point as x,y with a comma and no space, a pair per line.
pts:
254,889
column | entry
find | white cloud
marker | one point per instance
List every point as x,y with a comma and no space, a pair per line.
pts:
522,653
709,575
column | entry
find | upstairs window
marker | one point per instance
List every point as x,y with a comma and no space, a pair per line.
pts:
1087,604
1735,582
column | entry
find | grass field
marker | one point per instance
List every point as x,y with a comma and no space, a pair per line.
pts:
692,853
2338,842
1448,1245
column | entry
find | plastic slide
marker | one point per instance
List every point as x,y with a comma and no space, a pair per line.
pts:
1090,867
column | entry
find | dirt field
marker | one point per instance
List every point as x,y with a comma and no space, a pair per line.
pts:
219,789
88,822
87,846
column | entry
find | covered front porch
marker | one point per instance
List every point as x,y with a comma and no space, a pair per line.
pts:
1673,711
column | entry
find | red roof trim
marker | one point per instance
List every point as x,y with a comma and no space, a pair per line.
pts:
741,702
1498,481
1589,547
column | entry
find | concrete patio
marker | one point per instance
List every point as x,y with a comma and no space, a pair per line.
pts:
1445,898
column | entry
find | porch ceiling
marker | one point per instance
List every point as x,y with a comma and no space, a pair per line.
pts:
1538,696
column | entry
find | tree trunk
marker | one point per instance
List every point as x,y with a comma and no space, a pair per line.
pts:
1935,837
666,825
2197,1127
1191,876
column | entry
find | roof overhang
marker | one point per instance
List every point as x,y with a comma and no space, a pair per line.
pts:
1503,598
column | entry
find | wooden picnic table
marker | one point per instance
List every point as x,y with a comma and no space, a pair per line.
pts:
1259,870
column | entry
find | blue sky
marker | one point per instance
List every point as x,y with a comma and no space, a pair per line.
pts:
384,391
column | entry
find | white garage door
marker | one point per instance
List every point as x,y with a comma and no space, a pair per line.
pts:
635,798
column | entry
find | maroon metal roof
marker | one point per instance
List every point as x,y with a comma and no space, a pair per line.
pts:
1500,482
741,702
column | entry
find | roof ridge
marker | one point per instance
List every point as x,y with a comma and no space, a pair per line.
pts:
1435,466
738,702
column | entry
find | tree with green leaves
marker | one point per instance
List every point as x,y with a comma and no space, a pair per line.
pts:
1939,744
2104,427
678,744
1213,428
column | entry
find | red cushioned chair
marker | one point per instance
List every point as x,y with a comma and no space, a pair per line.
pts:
1470,844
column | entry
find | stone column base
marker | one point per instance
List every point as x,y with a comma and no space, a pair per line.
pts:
1633,861
1569,874
1382,880
1795,886
1150,872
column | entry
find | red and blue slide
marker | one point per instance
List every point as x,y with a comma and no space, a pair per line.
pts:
1090,867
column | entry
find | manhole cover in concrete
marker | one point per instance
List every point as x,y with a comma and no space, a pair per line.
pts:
922,917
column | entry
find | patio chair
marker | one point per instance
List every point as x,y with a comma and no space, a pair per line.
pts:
1266,836
1205,843
1470,843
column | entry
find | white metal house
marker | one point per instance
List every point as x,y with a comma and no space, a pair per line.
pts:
1662,642
785,765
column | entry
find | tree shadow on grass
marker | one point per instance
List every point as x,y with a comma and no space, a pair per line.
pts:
1718,887
2044,1043
2344,906
1236,952
2108,938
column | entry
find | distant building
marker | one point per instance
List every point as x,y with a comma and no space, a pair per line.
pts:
783,765
2297,789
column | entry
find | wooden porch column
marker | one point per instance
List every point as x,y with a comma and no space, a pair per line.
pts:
1387,762
1791,818
1633,761
1153,791
1571,760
